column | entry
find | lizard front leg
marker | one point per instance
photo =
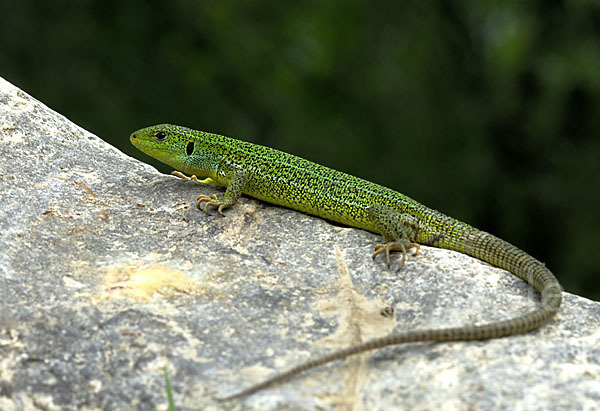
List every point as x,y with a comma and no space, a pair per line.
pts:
232,193
207,180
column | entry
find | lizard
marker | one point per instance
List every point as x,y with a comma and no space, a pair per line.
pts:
287,180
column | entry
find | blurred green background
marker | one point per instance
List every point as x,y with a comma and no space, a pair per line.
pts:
488,111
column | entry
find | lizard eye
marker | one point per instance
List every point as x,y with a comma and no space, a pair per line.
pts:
160,136
189,149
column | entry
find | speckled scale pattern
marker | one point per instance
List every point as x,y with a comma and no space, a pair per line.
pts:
294,182
284,179
291,181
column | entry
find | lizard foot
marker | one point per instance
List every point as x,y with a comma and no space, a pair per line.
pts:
183,176
394,246
207,180
212,201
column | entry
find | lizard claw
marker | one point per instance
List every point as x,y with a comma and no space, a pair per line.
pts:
394,246
183,176
212,201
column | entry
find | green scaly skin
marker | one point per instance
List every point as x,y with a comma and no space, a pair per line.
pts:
287,180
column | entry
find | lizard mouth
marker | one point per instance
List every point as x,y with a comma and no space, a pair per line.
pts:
140,143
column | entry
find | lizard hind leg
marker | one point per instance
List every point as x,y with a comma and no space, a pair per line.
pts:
399,230
394,246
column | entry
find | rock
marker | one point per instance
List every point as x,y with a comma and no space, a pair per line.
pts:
108,274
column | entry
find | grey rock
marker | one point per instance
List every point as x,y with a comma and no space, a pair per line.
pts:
108,274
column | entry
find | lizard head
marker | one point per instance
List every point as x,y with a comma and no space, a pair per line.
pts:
164,142
185,149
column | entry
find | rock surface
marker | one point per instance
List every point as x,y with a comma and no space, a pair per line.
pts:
108,274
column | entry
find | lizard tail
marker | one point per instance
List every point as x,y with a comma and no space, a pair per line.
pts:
488,248
500,253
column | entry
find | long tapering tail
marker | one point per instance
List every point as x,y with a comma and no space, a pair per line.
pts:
486,247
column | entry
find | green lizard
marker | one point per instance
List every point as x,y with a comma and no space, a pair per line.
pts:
284,179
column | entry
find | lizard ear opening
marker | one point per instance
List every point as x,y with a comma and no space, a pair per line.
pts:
190,148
